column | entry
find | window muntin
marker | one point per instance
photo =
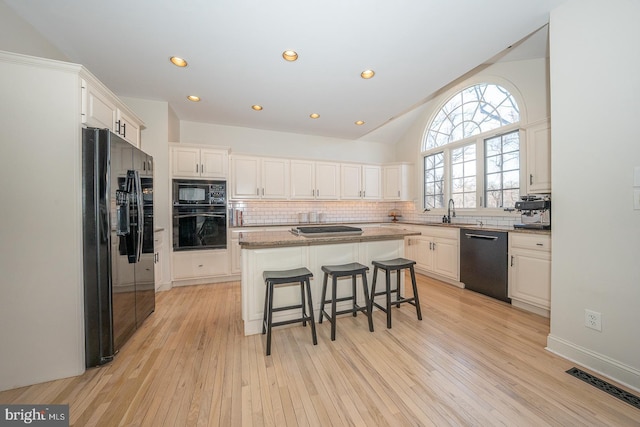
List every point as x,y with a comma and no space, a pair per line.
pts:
502,170
472,111
471,172
434,181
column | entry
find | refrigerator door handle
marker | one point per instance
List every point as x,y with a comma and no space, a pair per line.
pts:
140,210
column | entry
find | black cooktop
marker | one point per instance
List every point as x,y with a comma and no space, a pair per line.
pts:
326,230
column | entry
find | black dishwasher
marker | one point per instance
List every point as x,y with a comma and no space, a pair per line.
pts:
484,262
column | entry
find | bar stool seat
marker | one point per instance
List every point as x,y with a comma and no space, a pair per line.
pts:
397,265
273,278
344,270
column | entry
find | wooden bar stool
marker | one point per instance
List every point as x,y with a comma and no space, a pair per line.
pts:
296,275
345,270
397,265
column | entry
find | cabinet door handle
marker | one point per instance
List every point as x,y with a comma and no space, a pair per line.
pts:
530,179
398,193
201,167
539,244
124,130
511,260
197,165
118,127
257,191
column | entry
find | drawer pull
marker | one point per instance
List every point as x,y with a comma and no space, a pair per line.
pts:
539,244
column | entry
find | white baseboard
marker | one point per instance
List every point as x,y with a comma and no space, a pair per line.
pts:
599,363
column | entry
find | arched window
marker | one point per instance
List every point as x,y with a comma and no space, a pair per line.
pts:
465,158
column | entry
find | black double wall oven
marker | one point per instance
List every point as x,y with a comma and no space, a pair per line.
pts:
199,215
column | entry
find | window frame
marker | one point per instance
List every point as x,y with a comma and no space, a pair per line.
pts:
478,140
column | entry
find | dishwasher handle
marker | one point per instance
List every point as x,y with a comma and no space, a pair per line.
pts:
480,236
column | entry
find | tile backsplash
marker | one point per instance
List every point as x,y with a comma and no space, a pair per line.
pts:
262,212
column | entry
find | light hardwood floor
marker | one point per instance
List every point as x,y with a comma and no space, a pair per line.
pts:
472,361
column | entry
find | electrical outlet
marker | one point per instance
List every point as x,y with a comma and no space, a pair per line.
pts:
593,320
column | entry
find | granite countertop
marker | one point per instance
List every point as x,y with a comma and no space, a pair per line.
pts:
276,239
478,227
401,223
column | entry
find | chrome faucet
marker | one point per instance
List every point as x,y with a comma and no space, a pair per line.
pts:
449,210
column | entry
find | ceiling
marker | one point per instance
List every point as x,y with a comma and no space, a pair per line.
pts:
234,50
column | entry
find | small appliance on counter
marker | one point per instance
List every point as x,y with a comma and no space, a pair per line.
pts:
536,212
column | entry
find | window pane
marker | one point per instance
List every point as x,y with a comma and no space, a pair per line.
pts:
494,199
493,147
470,167
457,171
493,181
510,198
494,164
457,185
469,185
511,161
469,200
511,179
502,174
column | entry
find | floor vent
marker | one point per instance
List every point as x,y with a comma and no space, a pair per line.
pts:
623,395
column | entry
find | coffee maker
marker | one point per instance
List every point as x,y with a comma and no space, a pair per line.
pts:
535,212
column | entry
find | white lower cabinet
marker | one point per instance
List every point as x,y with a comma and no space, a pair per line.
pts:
436,250
530,272
200,264
157,258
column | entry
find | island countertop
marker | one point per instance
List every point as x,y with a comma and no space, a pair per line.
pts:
278,239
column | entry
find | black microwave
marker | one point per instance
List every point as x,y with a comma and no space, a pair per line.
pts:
199,192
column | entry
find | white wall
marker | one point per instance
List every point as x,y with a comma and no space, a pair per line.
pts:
595,106
270,143
16,35
41,298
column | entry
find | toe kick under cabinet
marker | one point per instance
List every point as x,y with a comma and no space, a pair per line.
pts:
530,272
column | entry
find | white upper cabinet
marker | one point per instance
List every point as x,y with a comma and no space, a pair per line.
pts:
538,142
314,180
360,182
396,182
194,162
259,178
102,109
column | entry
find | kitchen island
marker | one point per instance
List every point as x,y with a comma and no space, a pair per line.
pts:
282,250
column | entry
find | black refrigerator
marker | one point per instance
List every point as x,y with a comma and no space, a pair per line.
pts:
119,288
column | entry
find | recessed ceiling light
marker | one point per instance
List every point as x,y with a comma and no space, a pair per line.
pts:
367,74
359,122
193,98
257,107
290,55
178,62
314,115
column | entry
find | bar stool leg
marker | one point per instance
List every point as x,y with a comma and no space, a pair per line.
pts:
334,287
313,325
398,296
353,298
388,277
367,301
269,317
302,302
266,305
415,292
323,297
373,285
